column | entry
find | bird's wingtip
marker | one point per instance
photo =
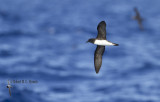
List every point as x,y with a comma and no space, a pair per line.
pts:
97,71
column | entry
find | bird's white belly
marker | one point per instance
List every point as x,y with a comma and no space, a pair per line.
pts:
103,42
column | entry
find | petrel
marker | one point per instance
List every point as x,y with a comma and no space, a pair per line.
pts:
138,18
9,86
101,42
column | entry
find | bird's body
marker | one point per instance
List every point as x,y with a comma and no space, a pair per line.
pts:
101,42
9,86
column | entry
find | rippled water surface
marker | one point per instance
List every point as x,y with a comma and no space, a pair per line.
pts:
44,41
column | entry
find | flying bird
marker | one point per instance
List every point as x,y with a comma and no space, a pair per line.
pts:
9,86
101,42
138,18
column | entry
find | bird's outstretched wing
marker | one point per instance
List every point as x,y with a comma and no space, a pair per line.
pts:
101,30
98,57
8,82
10,91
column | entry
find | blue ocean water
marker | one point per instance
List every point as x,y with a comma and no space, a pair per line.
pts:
44,40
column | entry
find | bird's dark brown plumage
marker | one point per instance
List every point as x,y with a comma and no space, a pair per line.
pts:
138,18
98,57
9,91
101,30
101,38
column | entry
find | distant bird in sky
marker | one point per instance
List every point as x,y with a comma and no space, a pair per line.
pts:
9,86
101,42
138,18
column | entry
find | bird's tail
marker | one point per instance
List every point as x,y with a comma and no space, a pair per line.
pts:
115,44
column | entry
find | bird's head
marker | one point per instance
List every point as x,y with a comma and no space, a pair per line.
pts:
90,40
9,86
